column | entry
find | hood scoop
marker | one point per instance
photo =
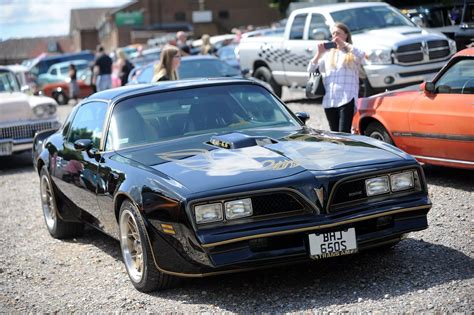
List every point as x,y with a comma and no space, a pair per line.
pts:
239,140
412,32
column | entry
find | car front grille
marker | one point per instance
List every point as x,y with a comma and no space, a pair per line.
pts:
275,203
25,131
422,52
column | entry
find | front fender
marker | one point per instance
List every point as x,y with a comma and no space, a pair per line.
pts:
38,153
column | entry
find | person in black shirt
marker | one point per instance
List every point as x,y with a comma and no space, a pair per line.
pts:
181,43
124,66
73,86
103,70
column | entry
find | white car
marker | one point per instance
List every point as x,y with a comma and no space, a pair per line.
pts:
22,115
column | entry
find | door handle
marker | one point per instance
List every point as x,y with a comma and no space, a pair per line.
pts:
309,50
287,50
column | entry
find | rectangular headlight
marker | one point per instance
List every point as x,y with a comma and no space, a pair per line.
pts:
238,208
402,181
377,186
208,213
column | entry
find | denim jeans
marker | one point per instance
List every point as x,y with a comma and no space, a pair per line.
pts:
103,82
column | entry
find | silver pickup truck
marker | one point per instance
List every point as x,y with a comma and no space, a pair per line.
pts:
398,52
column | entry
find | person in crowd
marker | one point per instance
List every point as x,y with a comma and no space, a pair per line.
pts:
181,43
73,85
166,69
340,69
206,47
102,70
124,66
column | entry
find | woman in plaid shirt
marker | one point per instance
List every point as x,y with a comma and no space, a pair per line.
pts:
340,69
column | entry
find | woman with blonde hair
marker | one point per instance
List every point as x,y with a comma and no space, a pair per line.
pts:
340,69
206,47
170,59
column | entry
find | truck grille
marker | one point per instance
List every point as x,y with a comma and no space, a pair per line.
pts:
26,131
422,52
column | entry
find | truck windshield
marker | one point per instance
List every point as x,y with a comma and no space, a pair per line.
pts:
8,82
370,18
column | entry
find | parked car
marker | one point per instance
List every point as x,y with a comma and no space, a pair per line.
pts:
60,71
398,53
27,81
433,121
60,90
144,57
22,115
229,54
436,17
43,62
205,177
199,66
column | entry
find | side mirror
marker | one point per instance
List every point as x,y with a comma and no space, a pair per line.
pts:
26,89
320,34
429,87
418,21
303,116
83,144
245,72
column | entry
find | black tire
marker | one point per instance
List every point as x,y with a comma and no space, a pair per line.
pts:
57,227
377,131
137,254
264,74
61,98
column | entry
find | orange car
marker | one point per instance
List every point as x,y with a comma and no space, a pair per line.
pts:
433,121
60,90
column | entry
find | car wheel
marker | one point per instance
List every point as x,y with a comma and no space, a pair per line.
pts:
57,227
61,98
377,131
264,74
136,252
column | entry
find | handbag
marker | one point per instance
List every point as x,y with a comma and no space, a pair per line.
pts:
315,85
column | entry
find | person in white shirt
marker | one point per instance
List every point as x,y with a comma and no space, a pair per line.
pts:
340,69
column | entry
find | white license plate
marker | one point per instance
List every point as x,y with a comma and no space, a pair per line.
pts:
6,148
332,244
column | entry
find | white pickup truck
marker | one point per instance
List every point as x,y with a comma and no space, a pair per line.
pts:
398,52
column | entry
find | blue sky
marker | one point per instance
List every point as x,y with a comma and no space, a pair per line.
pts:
34,18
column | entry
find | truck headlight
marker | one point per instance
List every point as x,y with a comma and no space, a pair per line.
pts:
452,46
238,208
401,181
208,213
377,186
379,57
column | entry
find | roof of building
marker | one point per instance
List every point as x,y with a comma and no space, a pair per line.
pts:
86,19
26,48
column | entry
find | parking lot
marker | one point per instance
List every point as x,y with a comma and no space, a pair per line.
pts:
431,271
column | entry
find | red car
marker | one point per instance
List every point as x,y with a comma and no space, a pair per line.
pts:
433,121
60,90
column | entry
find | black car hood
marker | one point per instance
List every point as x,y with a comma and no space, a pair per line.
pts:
200,166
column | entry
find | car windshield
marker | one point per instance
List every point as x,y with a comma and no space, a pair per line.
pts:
176,114
371,18
8,82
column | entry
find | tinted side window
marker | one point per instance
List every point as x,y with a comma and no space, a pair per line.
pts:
297,28
88,123
459,79
318,27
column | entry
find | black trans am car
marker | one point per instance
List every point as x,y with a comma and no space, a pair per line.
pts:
205,177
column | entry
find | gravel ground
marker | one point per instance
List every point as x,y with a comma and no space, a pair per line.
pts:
431,271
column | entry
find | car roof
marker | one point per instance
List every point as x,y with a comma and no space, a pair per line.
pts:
465,52
127,91
339,7
67,63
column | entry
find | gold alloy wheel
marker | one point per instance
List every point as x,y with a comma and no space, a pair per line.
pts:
47,202
131,244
